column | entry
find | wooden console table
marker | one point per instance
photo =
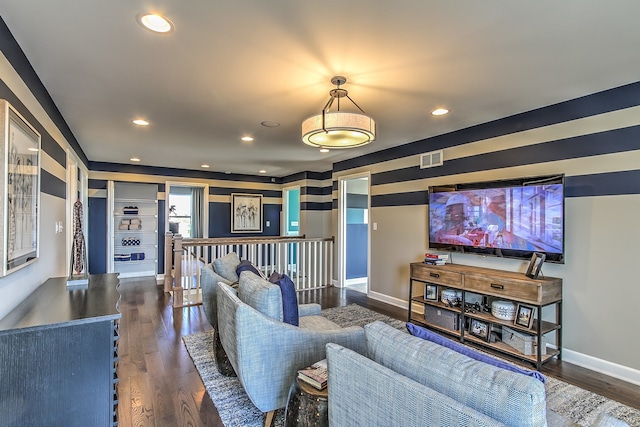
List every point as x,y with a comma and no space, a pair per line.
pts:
488,284
58,356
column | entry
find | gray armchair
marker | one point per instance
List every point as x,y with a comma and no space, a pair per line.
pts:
265,352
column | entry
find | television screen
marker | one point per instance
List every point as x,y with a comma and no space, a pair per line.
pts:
504,218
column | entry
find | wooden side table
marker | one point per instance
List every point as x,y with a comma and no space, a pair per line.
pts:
307,406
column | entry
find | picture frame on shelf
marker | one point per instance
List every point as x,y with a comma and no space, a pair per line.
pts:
524,316
246,213
480,329
535,265
20,183
431,292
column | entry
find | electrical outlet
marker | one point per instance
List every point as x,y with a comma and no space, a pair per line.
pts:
268,223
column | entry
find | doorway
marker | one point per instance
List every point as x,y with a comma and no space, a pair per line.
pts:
354,208
187,209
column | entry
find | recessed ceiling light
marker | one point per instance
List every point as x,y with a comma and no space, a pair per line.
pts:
155,22
270,124
247,138
141,122
324,150
263,171
439,111
204,166
134,159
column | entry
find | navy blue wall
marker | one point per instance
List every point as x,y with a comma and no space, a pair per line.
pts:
98,235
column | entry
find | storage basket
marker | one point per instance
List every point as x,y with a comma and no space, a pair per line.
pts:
524,343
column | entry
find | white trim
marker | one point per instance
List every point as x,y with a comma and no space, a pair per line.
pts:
387,299
611,369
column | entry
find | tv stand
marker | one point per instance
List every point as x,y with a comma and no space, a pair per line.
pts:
475,283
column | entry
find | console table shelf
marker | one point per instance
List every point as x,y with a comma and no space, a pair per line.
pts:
474,283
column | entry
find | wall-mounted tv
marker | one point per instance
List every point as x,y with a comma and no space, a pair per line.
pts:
509,218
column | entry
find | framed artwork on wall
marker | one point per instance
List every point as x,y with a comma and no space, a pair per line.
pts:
246,213
20,183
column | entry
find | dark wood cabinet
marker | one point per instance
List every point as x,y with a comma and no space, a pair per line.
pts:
489,285
59,354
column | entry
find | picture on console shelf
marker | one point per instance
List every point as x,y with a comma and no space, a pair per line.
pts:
480,329
524,316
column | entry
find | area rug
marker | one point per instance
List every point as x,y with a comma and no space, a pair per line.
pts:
236,410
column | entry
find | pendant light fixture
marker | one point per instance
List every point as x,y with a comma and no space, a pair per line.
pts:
338,129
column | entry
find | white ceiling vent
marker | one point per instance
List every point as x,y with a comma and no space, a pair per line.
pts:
431,159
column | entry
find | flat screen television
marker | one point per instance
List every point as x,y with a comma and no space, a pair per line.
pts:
509,218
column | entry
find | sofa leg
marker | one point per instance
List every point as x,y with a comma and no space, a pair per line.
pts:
222,361
268,419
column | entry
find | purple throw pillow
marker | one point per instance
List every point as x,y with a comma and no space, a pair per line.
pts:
290,313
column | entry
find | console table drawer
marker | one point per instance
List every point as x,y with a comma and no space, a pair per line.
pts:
519,290
436,275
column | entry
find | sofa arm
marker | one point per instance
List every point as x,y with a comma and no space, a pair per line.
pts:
309,310
362,392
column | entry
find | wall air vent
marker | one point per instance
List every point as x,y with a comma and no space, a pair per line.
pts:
431,159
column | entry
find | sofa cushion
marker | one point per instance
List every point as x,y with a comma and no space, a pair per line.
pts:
289,298
226,266
260,294
209,283
426,334
513,399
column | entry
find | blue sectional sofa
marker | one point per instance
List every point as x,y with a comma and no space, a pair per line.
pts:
408,381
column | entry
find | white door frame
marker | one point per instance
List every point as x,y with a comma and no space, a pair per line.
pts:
342,226
205,213
285,210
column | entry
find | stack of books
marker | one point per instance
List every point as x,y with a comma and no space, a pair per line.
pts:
435,259
315,375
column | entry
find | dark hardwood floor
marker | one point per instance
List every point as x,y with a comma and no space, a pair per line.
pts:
159,385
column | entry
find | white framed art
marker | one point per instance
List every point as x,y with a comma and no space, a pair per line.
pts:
20,183
246,213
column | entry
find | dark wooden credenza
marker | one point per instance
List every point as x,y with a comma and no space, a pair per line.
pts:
59,354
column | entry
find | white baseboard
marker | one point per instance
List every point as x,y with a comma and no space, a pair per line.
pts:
612,369
160,279
387,299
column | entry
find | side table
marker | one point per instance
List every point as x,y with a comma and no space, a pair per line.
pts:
307,406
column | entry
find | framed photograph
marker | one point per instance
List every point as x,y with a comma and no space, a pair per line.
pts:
524,316
431,292
246,213
535,265
480,329
20,183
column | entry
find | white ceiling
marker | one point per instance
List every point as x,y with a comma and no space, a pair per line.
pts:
231,64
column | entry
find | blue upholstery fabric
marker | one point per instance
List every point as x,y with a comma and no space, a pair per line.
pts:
289,298
426,334
513,399
260,294
365,393
266,354
226,266
209,283
246,265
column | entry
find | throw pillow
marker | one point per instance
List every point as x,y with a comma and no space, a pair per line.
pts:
290,312
436,338
246,265
260,294
226,266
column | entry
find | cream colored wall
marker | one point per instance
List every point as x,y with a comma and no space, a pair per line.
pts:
52,261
